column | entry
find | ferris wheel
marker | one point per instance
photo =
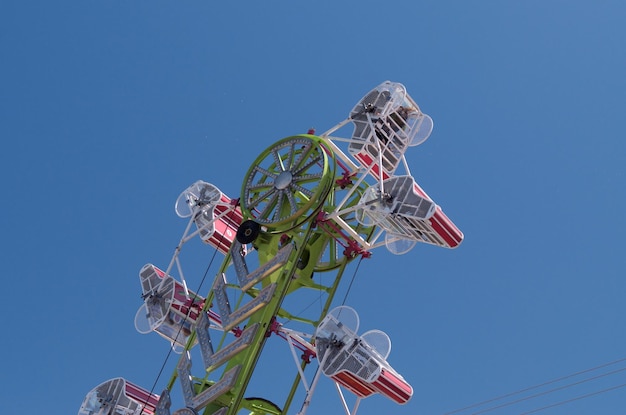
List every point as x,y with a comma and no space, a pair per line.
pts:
309,205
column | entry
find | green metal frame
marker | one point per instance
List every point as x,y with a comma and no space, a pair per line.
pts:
287,205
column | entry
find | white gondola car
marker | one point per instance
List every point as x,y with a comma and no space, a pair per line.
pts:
407,215
358,363
215,214
386,122
118,397
169,309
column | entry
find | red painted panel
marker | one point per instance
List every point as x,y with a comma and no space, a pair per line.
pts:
393,387
355,385
223,237
142,396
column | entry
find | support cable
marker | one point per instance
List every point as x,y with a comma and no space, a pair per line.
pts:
574,399
538,386
569,385
352,280
169,352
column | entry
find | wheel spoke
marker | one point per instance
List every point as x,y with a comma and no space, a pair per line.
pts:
309,164
278,160
265,172
292,153
292,203
260,186
307,178
279,206
306,149
270,205
301,189
252,203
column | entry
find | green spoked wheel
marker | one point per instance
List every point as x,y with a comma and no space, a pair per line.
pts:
288,183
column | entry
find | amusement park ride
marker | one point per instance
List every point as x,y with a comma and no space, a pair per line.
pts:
306,210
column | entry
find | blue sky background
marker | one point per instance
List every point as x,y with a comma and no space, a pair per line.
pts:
109,109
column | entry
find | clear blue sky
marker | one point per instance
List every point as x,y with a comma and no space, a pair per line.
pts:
109,109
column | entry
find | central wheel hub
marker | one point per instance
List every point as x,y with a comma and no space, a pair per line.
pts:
283,180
